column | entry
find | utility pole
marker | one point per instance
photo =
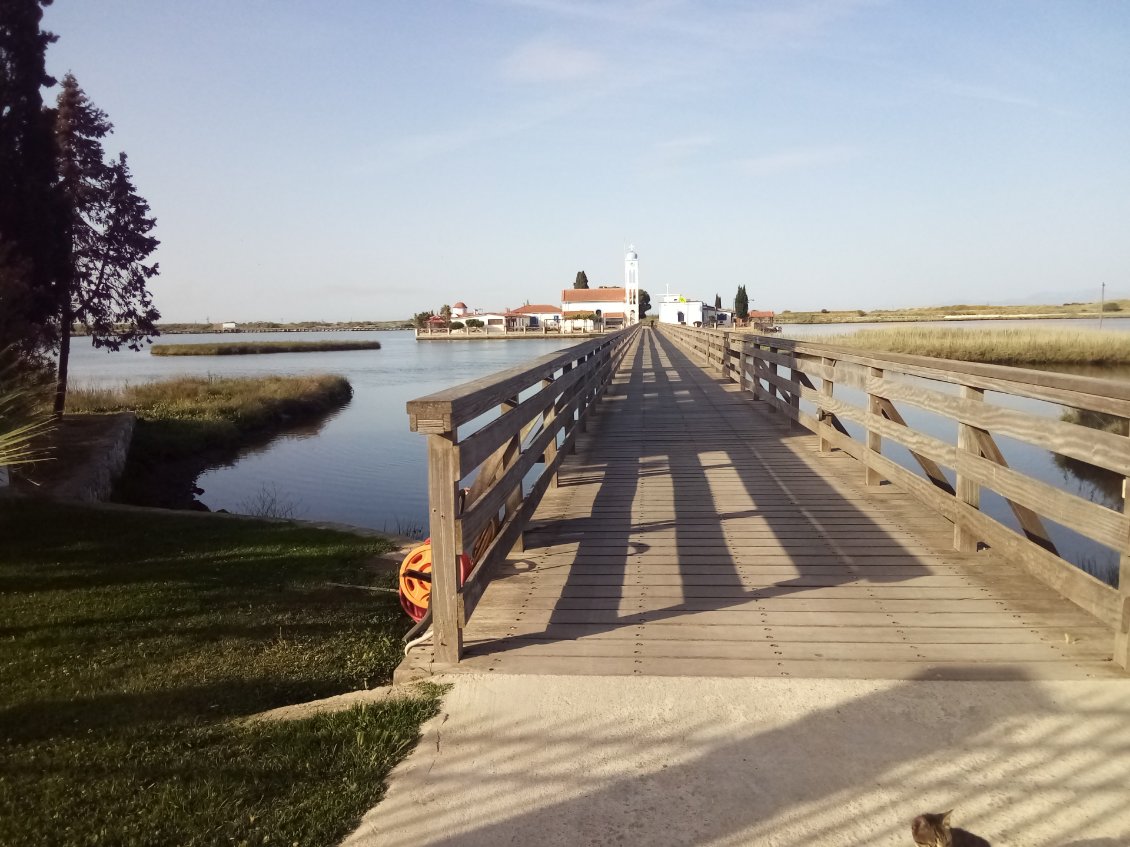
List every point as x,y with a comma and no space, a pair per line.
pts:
1102,305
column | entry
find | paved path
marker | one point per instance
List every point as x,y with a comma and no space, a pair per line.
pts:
548,760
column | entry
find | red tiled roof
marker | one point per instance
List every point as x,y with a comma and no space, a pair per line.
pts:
753,314
594,295
537,310
460,305
614,315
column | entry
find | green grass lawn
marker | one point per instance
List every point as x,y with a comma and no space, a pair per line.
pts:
130,644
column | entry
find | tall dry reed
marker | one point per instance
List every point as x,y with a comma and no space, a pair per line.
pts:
1019,346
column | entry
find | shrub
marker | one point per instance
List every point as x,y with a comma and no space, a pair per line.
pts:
457,324
1111,307
474,323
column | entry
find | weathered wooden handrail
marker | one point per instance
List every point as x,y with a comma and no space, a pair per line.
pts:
542,406
755,362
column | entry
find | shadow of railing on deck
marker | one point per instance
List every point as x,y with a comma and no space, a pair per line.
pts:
637,441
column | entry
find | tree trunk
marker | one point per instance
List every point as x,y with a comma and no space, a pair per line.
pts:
65,320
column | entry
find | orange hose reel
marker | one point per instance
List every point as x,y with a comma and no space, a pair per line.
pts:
416,579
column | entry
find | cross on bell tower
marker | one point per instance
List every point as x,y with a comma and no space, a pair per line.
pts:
632,286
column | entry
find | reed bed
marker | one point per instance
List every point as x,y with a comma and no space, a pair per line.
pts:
182,416
1020,346
247,348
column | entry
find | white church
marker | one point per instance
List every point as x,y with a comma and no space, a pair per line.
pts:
583,309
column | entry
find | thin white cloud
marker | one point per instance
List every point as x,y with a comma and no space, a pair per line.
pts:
722,24
974,91
804,158
414,149
547,61
666,157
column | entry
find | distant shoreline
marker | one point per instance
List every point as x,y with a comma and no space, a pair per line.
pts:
809,318
253,348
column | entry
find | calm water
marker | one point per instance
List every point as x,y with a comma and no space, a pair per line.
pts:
362,466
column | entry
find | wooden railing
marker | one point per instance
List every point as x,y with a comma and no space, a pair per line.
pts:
783,373
542,406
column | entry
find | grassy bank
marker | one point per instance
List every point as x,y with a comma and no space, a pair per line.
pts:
248,348
181,417
1021,346
958,312
132,644
189,424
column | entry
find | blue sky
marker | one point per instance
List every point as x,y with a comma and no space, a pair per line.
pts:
353,160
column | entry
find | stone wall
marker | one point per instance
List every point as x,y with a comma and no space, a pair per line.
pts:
88,474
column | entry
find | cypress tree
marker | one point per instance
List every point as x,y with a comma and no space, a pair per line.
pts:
103,273
29,224
741,303
582,280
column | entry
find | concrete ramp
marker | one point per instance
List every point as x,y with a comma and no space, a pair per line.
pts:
554,760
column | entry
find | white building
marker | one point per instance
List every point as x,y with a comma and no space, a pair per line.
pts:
539,315
610,307
677,309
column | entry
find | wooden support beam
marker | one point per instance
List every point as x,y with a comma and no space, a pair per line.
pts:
874,439
1122,627
968,491
827,389
1030,522
929,466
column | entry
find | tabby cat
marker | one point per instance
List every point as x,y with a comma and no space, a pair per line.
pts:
935,831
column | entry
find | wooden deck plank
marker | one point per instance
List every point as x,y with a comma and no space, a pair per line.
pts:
694,533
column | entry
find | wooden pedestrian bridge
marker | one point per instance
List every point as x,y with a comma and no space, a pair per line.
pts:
676,501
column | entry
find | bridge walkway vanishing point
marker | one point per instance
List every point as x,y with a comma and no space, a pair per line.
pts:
694,533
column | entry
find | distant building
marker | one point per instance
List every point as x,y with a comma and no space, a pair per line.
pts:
677,309
229,326
459,310
540,315
764,321
613,307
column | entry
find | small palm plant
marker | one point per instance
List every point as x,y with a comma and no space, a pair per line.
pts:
22,419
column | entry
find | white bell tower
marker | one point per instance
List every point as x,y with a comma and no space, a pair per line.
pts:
631,287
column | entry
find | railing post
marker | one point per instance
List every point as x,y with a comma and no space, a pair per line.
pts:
827,387
773,392
742,379
513,455
794,397
874,439
967,491
753,360
1122,631
446,617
